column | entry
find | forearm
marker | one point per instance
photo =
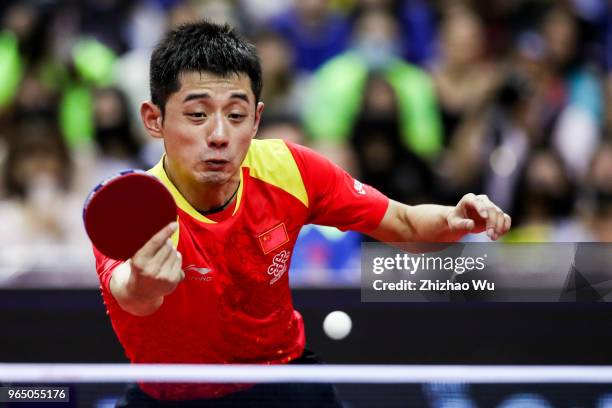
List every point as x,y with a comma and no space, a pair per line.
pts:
429,223
436,223
419,223
127,300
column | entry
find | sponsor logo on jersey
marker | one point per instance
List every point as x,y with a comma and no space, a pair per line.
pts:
279,265
203,274
201,271
358,186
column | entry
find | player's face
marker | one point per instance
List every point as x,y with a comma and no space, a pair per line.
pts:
208,126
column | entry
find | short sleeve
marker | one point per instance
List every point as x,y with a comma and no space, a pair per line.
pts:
335,198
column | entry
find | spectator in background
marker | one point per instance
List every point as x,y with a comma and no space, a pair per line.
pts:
37,159
382,159
567,110
503,20
45,59
55,75
145,24
338,89
607,125
417,26
282,93
32,76
282,127
91,66
464,80
34,99
259,12
118,147
115,145
40,214
314,32
491,144
22,37
598,206
220,11
544,199
550,100
97,15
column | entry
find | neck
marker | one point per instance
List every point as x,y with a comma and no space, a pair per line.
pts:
205,197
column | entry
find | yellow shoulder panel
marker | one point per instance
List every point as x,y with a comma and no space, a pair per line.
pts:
271,161
158,172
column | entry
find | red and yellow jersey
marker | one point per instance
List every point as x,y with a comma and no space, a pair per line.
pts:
234,305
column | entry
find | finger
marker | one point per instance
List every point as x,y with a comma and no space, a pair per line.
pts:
500,220
491,210
168,269
154,266
178,267
472,201
462,224
173,271
507,223
491,222
152,246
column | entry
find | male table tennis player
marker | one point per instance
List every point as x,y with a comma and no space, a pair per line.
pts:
214,287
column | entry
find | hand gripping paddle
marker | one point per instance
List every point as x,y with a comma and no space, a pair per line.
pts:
122,213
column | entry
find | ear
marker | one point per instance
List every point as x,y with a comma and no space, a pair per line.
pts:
152,119
258,112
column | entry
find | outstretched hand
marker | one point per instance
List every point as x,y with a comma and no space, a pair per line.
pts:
475,214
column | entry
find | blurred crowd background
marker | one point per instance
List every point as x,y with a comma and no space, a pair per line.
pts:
425,100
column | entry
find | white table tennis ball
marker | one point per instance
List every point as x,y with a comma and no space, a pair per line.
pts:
337,325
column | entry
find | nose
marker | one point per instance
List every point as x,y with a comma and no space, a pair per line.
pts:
219,136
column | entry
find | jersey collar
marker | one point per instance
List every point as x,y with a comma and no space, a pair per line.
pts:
159,172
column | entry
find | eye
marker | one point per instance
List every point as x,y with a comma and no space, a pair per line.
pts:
236,116
197,115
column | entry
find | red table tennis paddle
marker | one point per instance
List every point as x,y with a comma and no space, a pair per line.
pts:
122,213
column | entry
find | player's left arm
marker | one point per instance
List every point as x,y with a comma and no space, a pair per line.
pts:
437,223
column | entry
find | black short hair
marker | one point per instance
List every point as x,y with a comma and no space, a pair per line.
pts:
201,47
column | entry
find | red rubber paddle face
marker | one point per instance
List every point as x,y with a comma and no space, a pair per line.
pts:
124,212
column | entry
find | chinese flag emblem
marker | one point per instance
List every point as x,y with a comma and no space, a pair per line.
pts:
273,238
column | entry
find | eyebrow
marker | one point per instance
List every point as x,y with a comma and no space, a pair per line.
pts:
203,95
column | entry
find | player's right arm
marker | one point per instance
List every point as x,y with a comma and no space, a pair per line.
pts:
140,284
